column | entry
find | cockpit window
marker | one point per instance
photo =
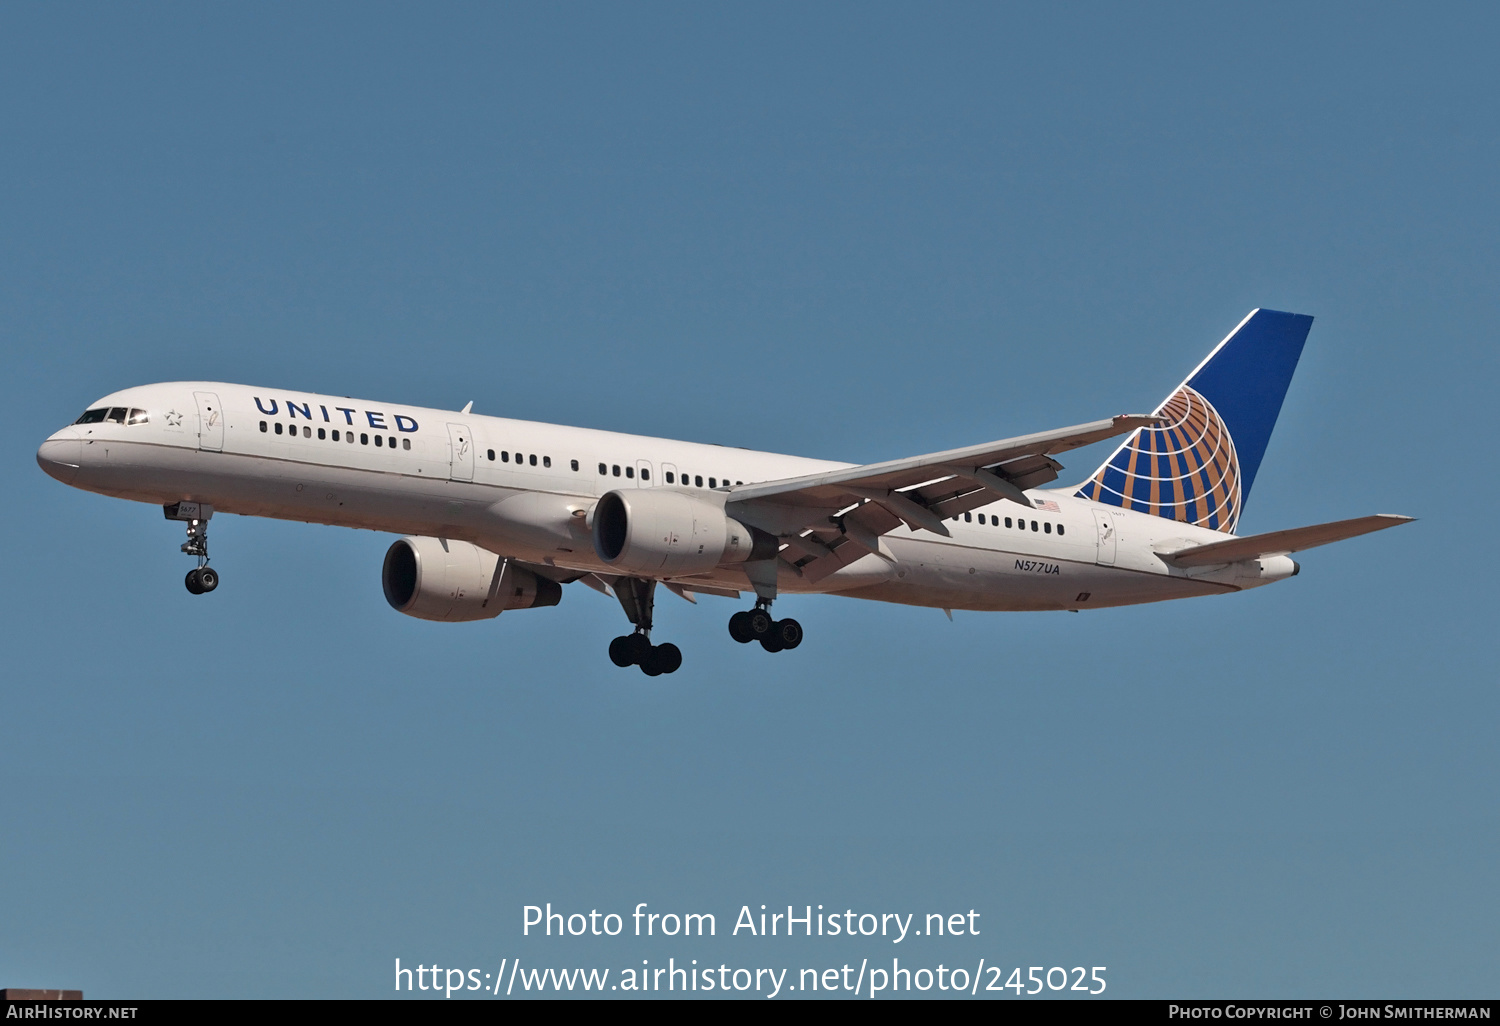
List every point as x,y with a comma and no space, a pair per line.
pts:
93,416
116,415
138,417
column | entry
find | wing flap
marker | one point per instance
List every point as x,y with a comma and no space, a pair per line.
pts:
1280,543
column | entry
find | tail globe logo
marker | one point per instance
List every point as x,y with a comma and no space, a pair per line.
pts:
1184,470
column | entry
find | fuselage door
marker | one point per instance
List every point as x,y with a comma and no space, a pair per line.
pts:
1108,536
210,422
643,476
461,453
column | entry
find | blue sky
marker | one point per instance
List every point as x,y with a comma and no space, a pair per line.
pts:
845,231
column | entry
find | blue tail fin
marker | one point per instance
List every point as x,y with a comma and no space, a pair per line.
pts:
1199,466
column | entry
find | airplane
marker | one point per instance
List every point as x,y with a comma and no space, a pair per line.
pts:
498,514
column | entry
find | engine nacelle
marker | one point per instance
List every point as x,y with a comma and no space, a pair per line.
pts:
452,581
660,533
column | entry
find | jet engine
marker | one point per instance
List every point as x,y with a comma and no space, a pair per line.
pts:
659,533
452,581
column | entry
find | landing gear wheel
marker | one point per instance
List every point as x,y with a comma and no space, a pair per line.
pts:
760,623
668,657
193,583
739,627
208,579
772,643
622,651
639,647
788,632
649,667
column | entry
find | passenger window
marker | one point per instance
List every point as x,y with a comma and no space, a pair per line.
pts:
1059,528
406,444
1033,525
378,442
307,432
546,461
698,481
669,477
630,472
533,459
968,518
574,464
262,427
364,439
322,434
390,440
713,482
1047,527
116,415
645,474
505,456
279,428
615,470
138,417
491,454
336,434
981,518
349,437
1007,521
93,416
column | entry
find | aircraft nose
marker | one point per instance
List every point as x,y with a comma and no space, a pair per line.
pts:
61,455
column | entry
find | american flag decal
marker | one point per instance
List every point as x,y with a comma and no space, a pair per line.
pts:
1046,504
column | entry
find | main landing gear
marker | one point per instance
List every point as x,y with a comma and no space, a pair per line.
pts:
636,650
203,578
756,625
637,598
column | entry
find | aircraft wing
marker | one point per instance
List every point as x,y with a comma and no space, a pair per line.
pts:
829,519
1280,543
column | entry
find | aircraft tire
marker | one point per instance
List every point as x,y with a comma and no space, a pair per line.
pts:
789,633
621,651
639,646
760,624
739,627
668,657
208,579
772,643
191,581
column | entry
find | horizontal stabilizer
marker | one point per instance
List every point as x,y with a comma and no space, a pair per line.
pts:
1279,543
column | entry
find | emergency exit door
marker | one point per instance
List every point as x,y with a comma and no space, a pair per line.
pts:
461,453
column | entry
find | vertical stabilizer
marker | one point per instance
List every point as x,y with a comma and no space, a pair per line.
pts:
1199,466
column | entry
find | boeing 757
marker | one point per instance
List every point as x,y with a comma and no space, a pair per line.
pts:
499,514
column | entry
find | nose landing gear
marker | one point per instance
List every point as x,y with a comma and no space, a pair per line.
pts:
202,579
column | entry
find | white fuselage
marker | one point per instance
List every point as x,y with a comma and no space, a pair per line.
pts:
526,490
